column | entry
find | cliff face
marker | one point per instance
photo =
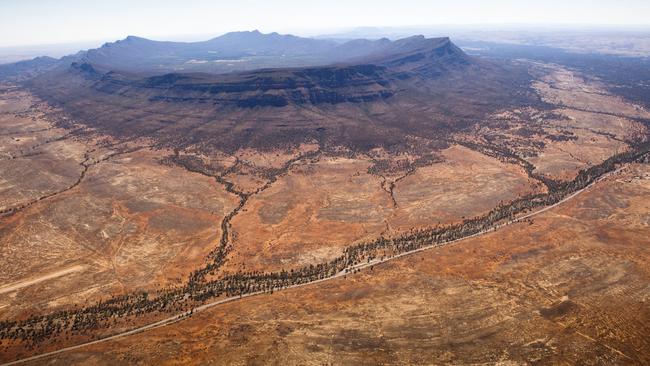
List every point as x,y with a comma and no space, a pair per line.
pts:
276,88
366,79
332,85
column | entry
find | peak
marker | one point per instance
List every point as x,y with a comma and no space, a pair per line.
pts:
253,33
411,40
134,38
423,41
44,58
128,39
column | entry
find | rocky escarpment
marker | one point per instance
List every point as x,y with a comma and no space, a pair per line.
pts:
274,88
367,78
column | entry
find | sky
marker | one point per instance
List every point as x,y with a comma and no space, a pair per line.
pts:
37,22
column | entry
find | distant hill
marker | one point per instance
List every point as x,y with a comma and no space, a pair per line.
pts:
27,68
231,52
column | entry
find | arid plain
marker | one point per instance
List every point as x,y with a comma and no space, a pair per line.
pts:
547,292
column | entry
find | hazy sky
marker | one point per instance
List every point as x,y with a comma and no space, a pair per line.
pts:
24,22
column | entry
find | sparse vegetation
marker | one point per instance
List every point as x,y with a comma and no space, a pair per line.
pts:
39,328
386,126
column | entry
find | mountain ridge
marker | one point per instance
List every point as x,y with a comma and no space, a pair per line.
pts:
392,89
362,79
228,53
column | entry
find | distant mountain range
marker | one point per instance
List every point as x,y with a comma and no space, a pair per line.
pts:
269,90
231,52
356,71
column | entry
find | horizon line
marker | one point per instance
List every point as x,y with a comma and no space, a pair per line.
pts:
333,32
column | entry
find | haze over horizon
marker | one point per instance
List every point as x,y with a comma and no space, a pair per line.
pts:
40,22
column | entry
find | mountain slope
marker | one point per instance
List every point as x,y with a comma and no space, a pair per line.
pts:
27,68
412,87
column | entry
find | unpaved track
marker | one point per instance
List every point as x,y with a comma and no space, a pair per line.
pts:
186,314
24,283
